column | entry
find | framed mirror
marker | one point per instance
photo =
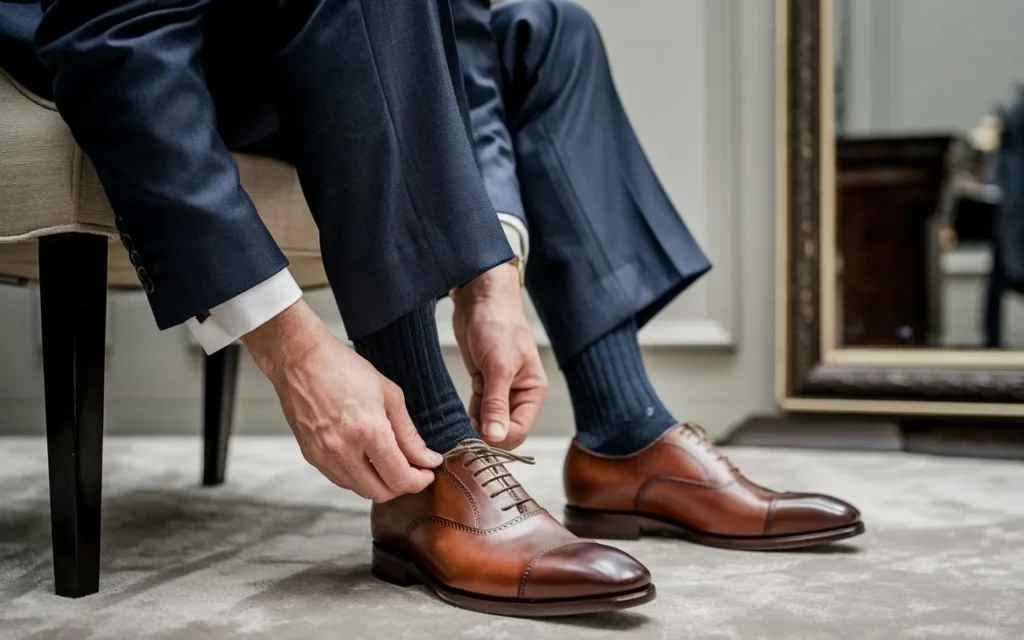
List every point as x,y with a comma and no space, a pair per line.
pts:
899,244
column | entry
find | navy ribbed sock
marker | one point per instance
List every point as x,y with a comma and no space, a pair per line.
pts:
617,410
408,353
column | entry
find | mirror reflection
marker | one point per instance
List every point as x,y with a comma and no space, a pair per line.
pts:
929,174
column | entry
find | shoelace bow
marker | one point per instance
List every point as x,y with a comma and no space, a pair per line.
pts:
700,435
480,450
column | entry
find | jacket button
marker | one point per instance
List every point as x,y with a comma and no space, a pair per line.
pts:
143,278
133,257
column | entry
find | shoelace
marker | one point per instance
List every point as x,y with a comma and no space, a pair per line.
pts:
480,450
700,435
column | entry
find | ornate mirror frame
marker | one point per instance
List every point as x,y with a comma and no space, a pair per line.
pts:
811,373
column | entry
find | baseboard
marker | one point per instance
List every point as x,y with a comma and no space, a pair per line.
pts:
1000,440
981,438
816,432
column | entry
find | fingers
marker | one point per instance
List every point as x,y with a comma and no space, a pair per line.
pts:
494,406
364,476
340,462
527,399
475,400
389,469
369,463
522,418
399,477
393,467
409,440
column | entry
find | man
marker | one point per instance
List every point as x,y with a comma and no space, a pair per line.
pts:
364,97
607,251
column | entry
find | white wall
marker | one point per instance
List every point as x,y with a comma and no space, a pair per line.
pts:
929,65
697,77
964,275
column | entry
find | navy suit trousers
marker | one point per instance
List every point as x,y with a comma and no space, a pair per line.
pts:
359,94
606,242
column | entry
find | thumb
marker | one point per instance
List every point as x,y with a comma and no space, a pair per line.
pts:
494,407
409,440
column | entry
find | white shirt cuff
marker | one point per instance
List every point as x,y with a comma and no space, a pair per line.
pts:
248,310
518,237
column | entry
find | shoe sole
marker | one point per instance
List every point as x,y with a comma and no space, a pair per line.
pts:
610,525
392,567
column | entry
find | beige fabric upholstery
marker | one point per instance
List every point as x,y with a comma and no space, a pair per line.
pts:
47,187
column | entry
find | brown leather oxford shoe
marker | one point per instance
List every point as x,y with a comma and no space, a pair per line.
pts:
682,486
477,540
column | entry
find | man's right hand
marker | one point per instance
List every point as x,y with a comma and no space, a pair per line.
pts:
350,421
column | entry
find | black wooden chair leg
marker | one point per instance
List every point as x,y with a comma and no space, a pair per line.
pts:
220,383
73,295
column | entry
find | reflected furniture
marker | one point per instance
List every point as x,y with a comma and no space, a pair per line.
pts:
888,192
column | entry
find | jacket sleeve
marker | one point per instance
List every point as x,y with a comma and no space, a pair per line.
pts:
481,74
129,82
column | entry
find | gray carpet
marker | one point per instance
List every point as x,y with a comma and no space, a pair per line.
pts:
279,553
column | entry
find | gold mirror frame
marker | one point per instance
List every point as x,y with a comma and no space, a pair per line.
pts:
812,372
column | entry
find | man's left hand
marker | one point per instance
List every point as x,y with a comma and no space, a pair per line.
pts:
509,383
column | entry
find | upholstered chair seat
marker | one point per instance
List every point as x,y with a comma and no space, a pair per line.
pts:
49,187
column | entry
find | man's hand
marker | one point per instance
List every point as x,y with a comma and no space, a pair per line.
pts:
350,421
509,383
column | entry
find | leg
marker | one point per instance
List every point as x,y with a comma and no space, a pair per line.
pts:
408,353
608,248
609,251
369,99
607,245
385,163
220,382
73,294
995,287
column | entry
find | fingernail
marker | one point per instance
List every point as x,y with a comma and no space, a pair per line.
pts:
495,431
435,457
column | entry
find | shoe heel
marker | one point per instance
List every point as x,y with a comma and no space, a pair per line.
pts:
599,524
387,567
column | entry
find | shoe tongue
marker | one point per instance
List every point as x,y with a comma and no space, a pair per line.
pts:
497,470
479,458
714,462
477,462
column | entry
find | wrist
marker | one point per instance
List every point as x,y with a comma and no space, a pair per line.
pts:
284,340
496,282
